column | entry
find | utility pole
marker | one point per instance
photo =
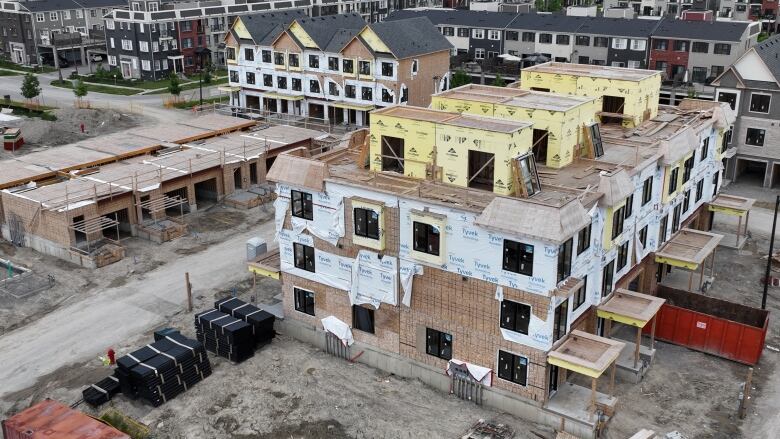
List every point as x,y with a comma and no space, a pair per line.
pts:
200,86
189,291
769,257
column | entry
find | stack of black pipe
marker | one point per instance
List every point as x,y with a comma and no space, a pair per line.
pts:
262,322
101,392
225,335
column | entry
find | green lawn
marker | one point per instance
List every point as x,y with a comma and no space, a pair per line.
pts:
9,73
152,85
96,88
189,104
20,68
193,85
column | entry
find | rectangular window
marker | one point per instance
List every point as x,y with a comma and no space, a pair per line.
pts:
278,58
660,44
515,316
293,60
629,206
295,84
363,319
647,190
143,46
560,320
680,46
518,257
562,39
687,201
529,37
127,45
448,31
302,205
662,230
349,91
673,176
146,65
426,238
699,190
699,74
607,276
581,294
53,16
512,368
643,236
622,256
266,56
478,34
333,89
387,69
583,239
364,67
348,66
386,96
304,301
600,42
366,93
564,260
303,256
314,86
759,103
249,54
688,168
250,78
314,61
545,38
618,217
281,82
619,43
40,18
676,217
705,149
268,80
529,178
638,45
511,35
494,35
366,223
755,137
479,53
463,32
722,49
700,47
582,40
438,344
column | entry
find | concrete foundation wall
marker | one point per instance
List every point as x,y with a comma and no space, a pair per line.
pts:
432,376
51,248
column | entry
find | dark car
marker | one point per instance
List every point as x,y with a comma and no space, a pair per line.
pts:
48,59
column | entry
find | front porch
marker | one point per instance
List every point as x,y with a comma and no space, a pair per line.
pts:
690,250
733,206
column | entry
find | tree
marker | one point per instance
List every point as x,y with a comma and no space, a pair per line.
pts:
460,78
499,81
80,89
31,87
174,87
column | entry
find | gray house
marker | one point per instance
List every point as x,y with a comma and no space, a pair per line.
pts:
616,42
752,87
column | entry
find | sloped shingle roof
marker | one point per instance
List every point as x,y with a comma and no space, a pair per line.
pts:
701,30
769,51
495,20
268,25
411,37
323,29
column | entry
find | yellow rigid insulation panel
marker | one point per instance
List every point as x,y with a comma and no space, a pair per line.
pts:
419,138
302,36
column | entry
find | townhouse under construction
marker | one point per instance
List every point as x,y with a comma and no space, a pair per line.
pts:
515,237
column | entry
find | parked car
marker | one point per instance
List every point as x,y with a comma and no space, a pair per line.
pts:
96,58
48,59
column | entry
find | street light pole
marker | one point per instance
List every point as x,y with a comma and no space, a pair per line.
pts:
200,86
769,257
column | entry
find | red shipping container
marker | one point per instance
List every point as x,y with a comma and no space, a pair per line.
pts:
715,326
51,420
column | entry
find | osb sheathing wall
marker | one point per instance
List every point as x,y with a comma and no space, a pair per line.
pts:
48,224
467,310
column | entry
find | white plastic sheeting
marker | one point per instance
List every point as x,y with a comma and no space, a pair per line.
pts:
374,279
339,329
332,270
483,375
407,272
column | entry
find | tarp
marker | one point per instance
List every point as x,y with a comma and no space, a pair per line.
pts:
479,374
407,272
339,329
374,279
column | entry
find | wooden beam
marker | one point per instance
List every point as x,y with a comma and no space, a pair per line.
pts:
638,345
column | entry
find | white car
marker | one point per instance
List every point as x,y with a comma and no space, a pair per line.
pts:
96,57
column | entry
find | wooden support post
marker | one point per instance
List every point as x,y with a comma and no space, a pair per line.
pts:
652,333
608,328
612,379
739,229
712,263
189,291
638,344
592,397
743,403
690,282
701,273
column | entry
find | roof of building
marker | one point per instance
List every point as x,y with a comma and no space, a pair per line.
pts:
485,19
101,3
546,22
701,30
323,29
769,51
265,27
594,71
50,5
454,119
411,37
515,97
618,27
528,218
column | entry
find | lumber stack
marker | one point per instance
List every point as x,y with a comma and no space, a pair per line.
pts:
101,392
225,335
262,322
160,371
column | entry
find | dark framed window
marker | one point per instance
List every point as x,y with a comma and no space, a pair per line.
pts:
629,206
700,47
366,93
302,205
515,316
314,61
686,201
314,86
545,38
364,67
348,66
676,217
279,58
518,257
562,39
680,46
366,223
722,49
268,80
426,238
662,231
600,42
295,84
333,63
250,78
349,91
699,74
715,180
304,257
511,35
564,260
705,149
363,318
660,44
673,177
582,40
688,168
281,82
618,219
607,277
699,189
333,90
266,55
249,54
560,320
643,236
234,76
755,137
622,256
386,96
463,32
583,238
647,190
529,37
580,295
438,344
304,301
387,69
293,60
513,368
759,103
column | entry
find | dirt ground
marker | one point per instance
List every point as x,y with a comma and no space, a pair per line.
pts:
39,133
